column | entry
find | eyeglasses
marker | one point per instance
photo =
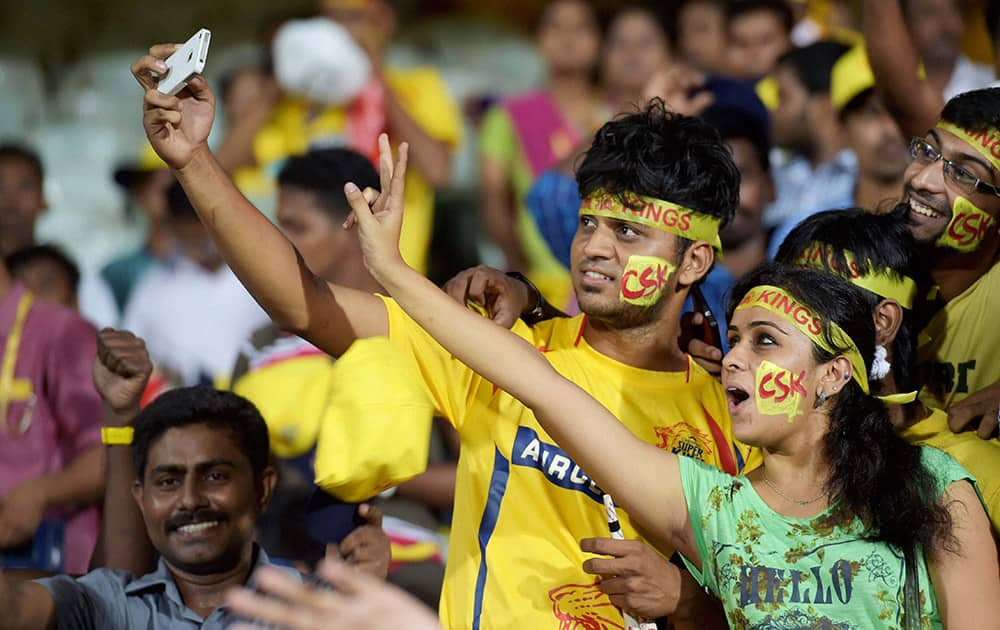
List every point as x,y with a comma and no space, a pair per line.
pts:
922,151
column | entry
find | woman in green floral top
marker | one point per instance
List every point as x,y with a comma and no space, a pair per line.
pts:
815,536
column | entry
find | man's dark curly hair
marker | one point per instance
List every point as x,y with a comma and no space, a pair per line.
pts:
661,154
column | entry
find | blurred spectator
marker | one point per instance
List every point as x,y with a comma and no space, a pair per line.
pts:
288,378
47,272
524,135
870,133
759,33
634,49
412,105
993,26
634,62
22,201
192,311
51,459
744,240
815,171
698,34
145,185
936,27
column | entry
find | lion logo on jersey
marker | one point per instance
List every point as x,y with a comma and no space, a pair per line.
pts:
683,439
584,607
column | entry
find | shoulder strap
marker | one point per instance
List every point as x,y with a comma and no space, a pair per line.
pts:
911,592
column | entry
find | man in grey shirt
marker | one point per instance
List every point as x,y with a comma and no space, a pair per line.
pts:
202,478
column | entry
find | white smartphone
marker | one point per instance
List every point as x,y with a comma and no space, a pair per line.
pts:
185,63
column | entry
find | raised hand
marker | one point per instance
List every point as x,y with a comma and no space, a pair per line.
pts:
121,370
367,548
358,602
380,221
177,126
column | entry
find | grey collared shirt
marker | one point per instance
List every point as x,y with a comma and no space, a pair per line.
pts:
107,599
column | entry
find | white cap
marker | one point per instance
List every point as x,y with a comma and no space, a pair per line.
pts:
317,58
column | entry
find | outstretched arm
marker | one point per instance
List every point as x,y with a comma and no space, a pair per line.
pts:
642,478
266,262
913,102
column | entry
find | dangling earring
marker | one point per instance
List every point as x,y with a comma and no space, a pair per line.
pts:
820,399
880,367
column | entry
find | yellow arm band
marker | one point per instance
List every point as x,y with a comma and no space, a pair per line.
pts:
117,436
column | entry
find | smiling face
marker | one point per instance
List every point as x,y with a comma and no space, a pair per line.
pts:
600,253
770,377
931,196
200,500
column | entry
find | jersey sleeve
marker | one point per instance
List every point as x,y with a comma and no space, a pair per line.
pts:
946,471
450,384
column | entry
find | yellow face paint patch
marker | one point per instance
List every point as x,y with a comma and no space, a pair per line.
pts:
968,227
779,392
645,279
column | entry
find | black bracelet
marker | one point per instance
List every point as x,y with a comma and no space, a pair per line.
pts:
535,314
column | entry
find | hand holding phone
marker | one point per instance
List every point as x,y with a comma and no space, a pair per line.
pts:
186,62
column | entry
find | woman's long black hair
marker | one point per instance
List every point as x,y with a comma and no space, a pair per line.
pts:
874,473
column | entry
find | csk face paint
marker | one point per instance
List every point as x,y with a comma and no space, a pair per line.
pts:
779,392
968,227
645,279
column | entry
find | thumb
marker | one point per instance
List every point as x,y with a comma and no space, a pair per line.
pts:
371,514
361,212
199,89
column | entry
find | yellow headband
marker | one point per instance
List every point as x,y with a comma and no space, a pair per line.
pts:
986,142
805,319
655,213
884,283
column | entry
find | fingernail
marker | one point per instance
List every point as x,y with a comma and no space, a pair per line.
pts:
349,187
162,67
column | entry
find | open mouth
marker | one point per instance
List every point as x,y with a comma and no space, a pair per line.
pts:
596,275
736,396
924,210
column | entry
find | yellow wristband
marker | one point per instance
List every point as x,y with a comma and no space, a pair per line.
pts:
117,435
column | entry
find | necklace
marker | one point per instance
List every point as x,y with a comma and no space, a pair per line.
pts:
788,498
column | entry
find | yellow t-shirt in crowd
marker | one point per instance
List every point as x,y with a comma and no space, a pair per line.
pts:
960,345
980,457
522,505
295,127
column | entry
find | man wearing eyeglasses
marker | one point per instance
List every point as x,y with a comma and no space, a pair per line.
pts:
952,201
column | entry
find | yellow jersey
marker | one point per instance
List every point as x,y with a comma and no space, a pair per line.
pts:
980,457
296,126
514,558
958,347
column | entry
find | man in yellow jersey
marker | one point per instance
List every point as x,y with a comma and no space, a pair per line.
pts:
952,201
657,188
411,104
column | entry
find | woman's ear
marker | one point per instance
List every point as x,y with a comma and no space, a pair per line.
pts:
835,375
888,318
696,263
